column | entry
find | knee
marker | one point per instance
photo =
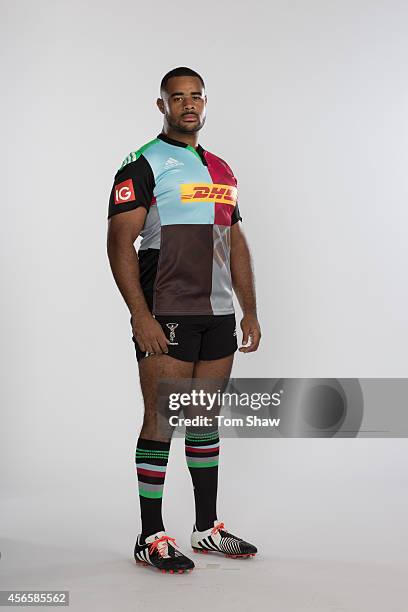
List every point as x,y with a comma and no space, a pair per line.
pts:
154,429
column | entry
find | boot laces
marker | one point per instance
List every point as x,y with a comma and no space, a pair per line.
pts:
217,528
161,545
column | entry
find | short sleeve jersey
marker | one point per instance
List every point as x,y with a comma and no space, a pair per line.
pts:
191,200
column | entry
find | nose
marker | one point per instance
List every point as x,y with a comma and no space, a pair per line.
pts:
188,104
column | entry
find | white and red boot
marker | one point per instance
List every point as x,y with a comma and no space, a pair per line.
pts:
162,552
218,539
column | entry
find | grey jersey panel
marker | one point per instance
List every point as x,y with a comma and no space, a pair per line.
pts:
221,291
150,233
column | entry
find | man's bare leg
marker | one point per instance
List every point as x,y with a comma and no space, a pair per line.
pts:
151,369
215,368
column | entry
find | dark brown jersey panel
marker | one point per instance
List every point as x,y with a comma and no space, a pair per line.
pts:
189,250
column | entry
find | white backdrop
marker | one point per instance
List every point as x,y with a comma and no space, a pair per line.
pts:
307,103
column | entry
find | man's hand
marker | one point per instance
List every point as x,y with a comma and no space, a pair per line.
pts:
250,328
149,334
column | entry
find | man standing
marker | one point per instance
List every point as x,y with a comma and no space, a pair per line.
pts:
182,200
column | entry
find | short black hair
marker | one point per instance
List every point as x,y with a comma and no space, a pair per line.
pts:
180,71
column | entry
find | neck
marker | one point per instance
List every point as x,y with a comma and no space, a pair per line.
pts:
189,139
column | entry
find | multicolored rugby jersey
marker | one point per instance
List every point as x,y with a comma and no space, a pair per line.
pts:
190,196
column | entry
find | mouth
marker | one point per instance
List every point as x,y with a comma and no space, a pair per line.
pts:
189,117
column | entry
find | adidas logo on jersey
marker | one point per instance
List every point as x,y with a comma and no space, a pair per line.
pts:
171,163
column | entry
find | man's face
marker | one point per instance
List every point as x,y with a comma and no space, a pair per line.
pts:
183,104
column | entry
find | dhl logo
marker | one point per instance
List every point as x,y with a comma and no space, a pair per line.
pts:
209,192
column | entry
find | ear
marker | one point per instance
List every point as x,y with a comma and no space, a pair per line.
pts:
160,105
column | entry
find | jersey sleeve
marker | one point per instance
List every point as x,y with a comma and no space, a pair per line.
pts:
236,215
132,187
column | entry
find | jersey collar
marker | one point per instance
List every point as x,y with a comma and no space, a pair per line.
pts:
179,143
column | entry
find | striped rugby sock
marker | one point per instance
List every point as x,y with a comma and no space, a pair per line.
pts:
151,463
202,451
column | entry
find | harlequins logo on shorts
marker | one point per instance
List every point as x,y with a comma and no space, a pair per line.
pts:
172,327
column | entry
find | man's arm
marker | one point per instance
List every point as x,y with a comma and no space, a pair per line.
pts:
243,282
123,229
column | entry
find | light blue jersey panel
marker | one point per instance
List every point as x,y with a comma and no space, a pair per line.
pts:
173,166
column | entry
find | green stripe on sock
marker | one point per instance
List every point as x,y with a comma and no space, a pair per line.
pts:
147,457
145,453
203,464
151,494
201,437
194,434
152,452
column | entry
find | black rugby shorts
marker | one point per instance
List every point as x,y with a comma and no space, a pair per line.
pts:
196,337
